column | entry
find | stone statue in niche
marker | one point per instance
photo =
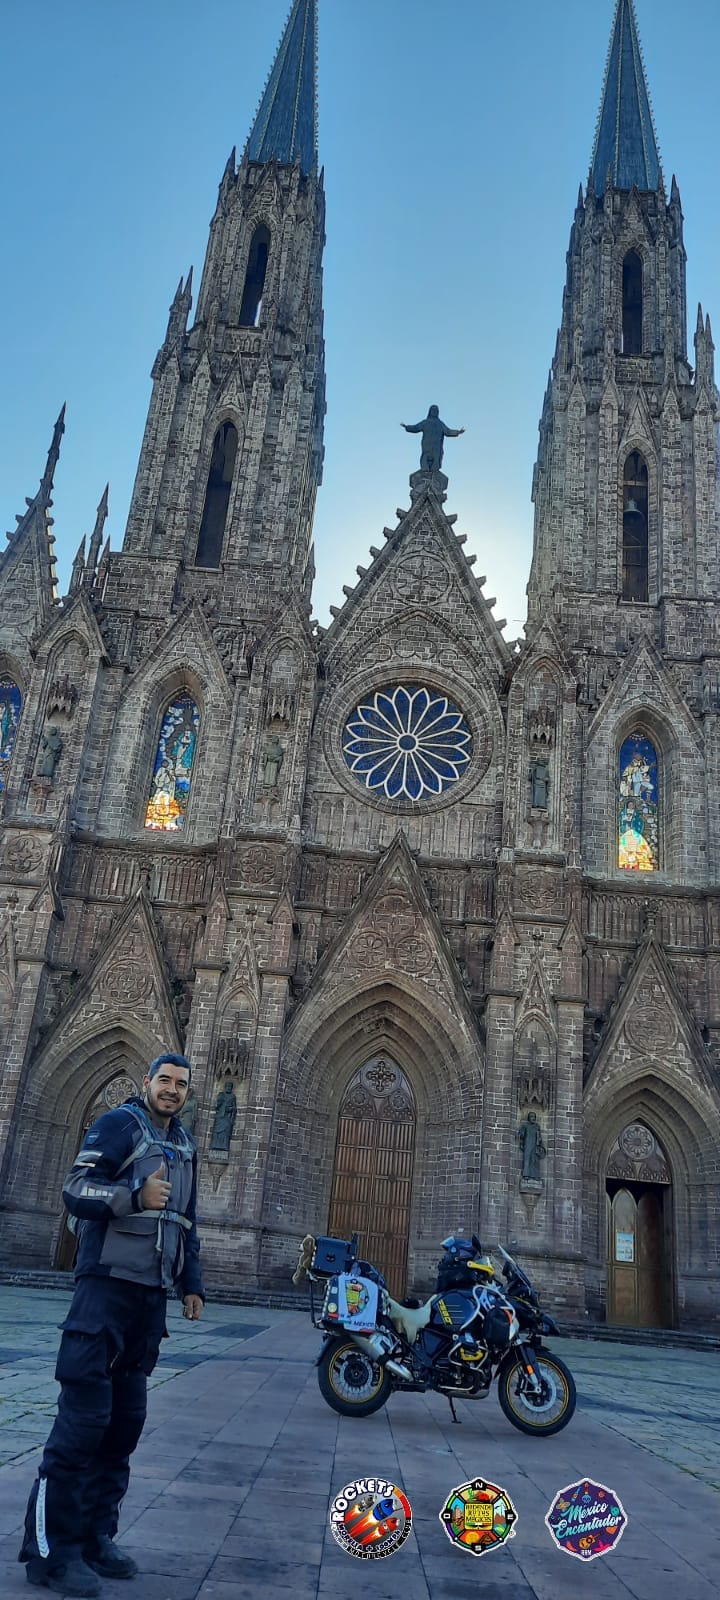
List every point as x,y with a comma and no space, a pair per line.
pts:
529,1136
273,755
51,748
188,1115
225,1114
539,784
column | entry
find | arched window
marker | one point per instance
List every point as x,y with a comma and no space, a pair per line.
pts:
638,805
251,304
10,709
217,497
172,774
632,305
635,529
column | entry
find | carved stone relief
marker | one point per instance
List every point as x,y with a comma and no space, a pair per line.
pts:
533,1069
649,1024
119,1090
258,864
637,1157
539,891
420,576
22,855
127,981
392,936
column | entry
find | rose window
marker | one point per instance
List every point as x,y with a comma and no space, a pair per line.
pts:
407,743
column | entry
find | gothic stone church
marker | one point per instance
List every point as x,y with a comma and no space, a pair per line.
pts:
437,918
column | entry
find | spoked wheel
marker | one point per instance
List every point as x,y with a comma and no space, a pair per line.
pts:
350,1381
542,1413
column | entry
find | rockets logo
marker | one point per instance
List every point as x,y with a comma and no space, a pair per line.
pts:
370,1518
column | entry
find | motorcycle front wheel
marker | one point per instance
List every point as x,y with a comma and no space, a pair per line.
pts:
541,1414
350,1381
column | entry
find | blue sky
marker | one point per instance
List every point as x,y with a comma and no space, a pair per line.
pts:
453,138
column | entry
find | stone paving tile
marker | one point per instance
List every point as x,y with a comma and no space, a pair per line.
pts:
266,1567
246,1589
238,1425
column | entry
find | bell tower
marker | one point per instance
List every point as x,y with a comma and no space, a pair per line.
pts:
232,454
625,483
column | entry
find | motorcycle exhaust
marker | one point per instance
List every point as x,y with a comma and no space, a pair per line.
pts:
380,1346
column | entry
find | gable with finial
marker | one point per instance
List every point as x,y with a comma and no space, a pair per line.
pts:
639,430
128,979
644,682
421,567
650,1029
393,934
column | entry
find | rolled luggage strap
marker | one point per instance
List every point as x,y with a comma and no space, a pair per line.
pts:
307,1251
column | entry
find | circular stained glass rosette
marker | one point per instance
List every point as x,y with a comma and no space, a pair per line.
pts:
407,743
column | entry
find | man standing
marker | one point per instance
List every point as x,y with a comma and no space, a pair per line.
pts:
132,1191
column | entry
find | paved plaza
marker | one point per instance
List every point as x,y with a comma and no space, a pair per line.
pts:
240,1457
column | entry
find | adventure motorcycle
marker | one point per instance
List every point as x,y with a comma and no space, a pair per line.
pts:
473,1329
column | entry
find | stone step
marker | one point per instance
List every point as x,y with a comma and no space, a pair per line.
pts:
221,1294
662,1338
298,1300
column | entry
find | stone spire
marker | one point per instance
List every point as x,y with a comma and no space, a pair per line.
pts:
34,530
97,535
232,455
286,122
625,141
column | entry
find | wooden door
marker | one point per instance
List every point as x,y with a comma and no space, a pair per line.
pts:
638,1281
622,1260
652,1277
120,1088
372,1180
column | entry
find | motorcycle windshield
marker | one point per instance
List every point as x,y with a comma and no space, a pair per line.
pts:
515,1270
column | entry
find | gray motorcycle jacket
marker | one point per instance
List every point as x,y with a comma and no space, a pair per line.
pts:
116,1237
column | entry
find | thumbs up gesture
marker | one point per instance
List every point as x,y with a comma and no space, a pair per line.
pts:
155,1191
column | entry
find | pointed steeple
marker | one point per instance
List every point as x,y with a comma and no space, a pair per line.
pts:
46,482
97,533
78,568
625,141
286,123
34,528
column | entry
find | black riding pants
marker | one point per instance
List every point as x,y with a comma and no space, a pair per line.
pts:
110,1343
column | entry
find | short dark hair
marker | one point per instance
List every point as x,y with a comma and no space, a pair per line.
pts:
173,1060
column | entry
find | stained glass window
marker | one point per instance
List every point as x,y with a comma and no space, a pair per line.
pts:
172,776
638,849
10,708
407,743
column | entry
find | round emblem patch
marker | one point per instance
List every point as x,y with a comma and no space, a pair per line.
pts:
370,1518
586,1519
478,1516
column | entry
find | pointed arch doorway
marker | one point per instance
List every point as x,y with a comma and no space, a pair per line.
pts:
373,1171
639,1215
120,1088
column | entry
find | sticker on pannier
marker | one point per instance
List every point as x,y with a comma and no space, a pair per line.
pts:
357,1303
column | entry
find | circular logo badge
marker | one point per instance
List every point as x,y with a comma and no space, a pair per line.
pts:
478,1516
370,1518
586,1519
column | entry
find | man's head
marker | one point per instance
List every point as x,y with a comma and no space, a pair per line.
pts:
166,1084
434,411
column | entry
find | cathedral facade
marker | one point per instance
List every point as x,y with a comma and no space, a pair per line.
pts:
436,919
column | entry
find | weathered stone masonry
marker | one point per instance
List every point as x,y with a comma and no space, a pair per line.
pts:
484,943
